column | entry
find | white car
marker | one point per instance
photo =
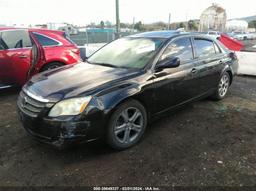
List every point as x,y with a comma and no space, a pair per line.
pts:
244,36
214,34
251,36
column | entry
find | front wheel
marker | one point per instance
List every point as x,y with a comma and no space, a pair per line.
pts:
127,125
223,87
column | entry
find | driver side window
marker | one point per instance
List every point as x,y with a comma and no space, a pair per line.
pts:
181,48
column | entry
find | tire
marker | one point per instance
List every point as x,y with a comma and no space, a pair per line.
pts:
127,125
223,87
51,66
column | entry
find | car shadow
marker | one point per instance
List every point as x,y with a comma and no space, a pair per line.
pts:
9,91
99,148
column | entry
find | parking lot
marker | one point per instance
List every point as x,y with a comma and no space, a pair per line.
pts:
206,143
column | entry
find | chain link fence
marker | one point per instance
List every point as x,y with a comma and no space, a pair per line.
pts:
93,37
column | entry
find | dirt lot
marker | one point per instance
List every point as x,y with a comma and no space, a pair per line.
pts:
206,143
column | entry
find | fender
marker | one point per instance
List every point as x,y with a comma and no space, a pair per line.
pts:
228,69
110,98
117,94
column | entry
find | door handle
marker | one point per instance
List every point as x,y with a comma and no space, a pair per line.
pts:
23,56
194,70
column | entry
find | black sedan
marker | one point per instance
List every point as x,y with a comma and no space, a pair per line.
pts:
123,86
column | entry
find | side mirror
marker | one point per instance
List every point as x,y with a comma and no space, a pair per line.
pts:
168,63
232,55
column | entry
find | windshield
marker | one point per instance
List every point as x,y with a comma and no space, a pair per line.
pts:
127,53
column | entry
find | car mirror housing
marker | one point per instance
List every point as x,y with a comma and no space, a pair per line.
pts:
168,63
232,55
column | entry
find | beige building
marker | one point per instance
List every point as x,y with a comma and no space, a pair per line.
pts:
213,18
237,26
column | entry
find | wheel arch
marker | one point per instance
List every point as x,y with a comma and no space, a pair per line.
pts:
122,96
230,72
230,75
46,64
136,98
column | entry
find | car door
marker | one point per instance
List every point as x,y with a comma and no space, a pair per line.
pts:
15,57
3,65
209,64
175,86
37,57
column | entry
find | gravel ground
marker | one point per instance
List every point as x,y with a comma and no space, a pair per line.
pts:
205,144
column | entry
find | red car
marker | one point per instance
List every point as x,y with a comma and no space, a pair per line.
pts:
25,52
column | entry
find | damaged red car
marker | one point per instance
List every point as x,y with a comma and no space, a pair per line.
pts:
25,52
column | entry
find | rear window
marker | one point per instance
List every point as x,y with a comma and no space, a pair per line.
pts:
46,41
15,39
204,48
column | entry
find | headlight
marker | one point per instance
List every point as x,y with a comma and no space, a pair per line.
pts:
72,106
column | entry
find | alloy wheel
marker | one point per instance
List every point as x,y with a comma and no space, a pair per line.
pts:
223,85
129,125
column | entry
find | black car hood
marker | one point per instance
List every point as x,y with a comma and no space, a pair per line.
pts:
74,80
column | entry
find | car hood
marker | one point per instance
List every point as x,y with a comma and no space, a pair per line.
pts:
74,80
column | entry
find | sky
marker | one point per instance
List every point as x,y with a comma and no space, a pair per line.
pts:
82,12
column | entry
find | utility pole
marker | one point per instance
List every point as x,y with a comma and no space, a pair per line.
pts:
169,21
117,20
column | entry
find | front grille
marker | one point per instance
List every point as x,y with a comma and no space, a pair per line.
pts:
29,105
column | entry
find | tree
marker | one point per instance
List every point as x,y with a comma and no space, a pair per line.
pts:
252,24
102,24
139,26
108,24
123,25
192,26
182,25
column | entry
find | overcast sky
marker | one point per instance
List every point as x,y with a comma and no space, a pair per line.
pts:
83,12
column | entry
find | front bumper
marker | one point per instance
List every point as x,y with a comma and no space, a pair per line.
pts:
61,132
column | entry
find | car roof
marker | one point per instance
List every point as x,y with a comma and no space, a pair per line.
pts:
30,29
158,34
170,34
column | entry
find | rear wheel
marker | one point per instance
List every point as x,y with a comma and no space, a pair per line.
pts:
51,66
127,125
223,87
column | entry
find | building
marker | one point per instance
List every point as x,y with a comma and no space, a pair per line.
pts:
68,28
237,25
213,18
